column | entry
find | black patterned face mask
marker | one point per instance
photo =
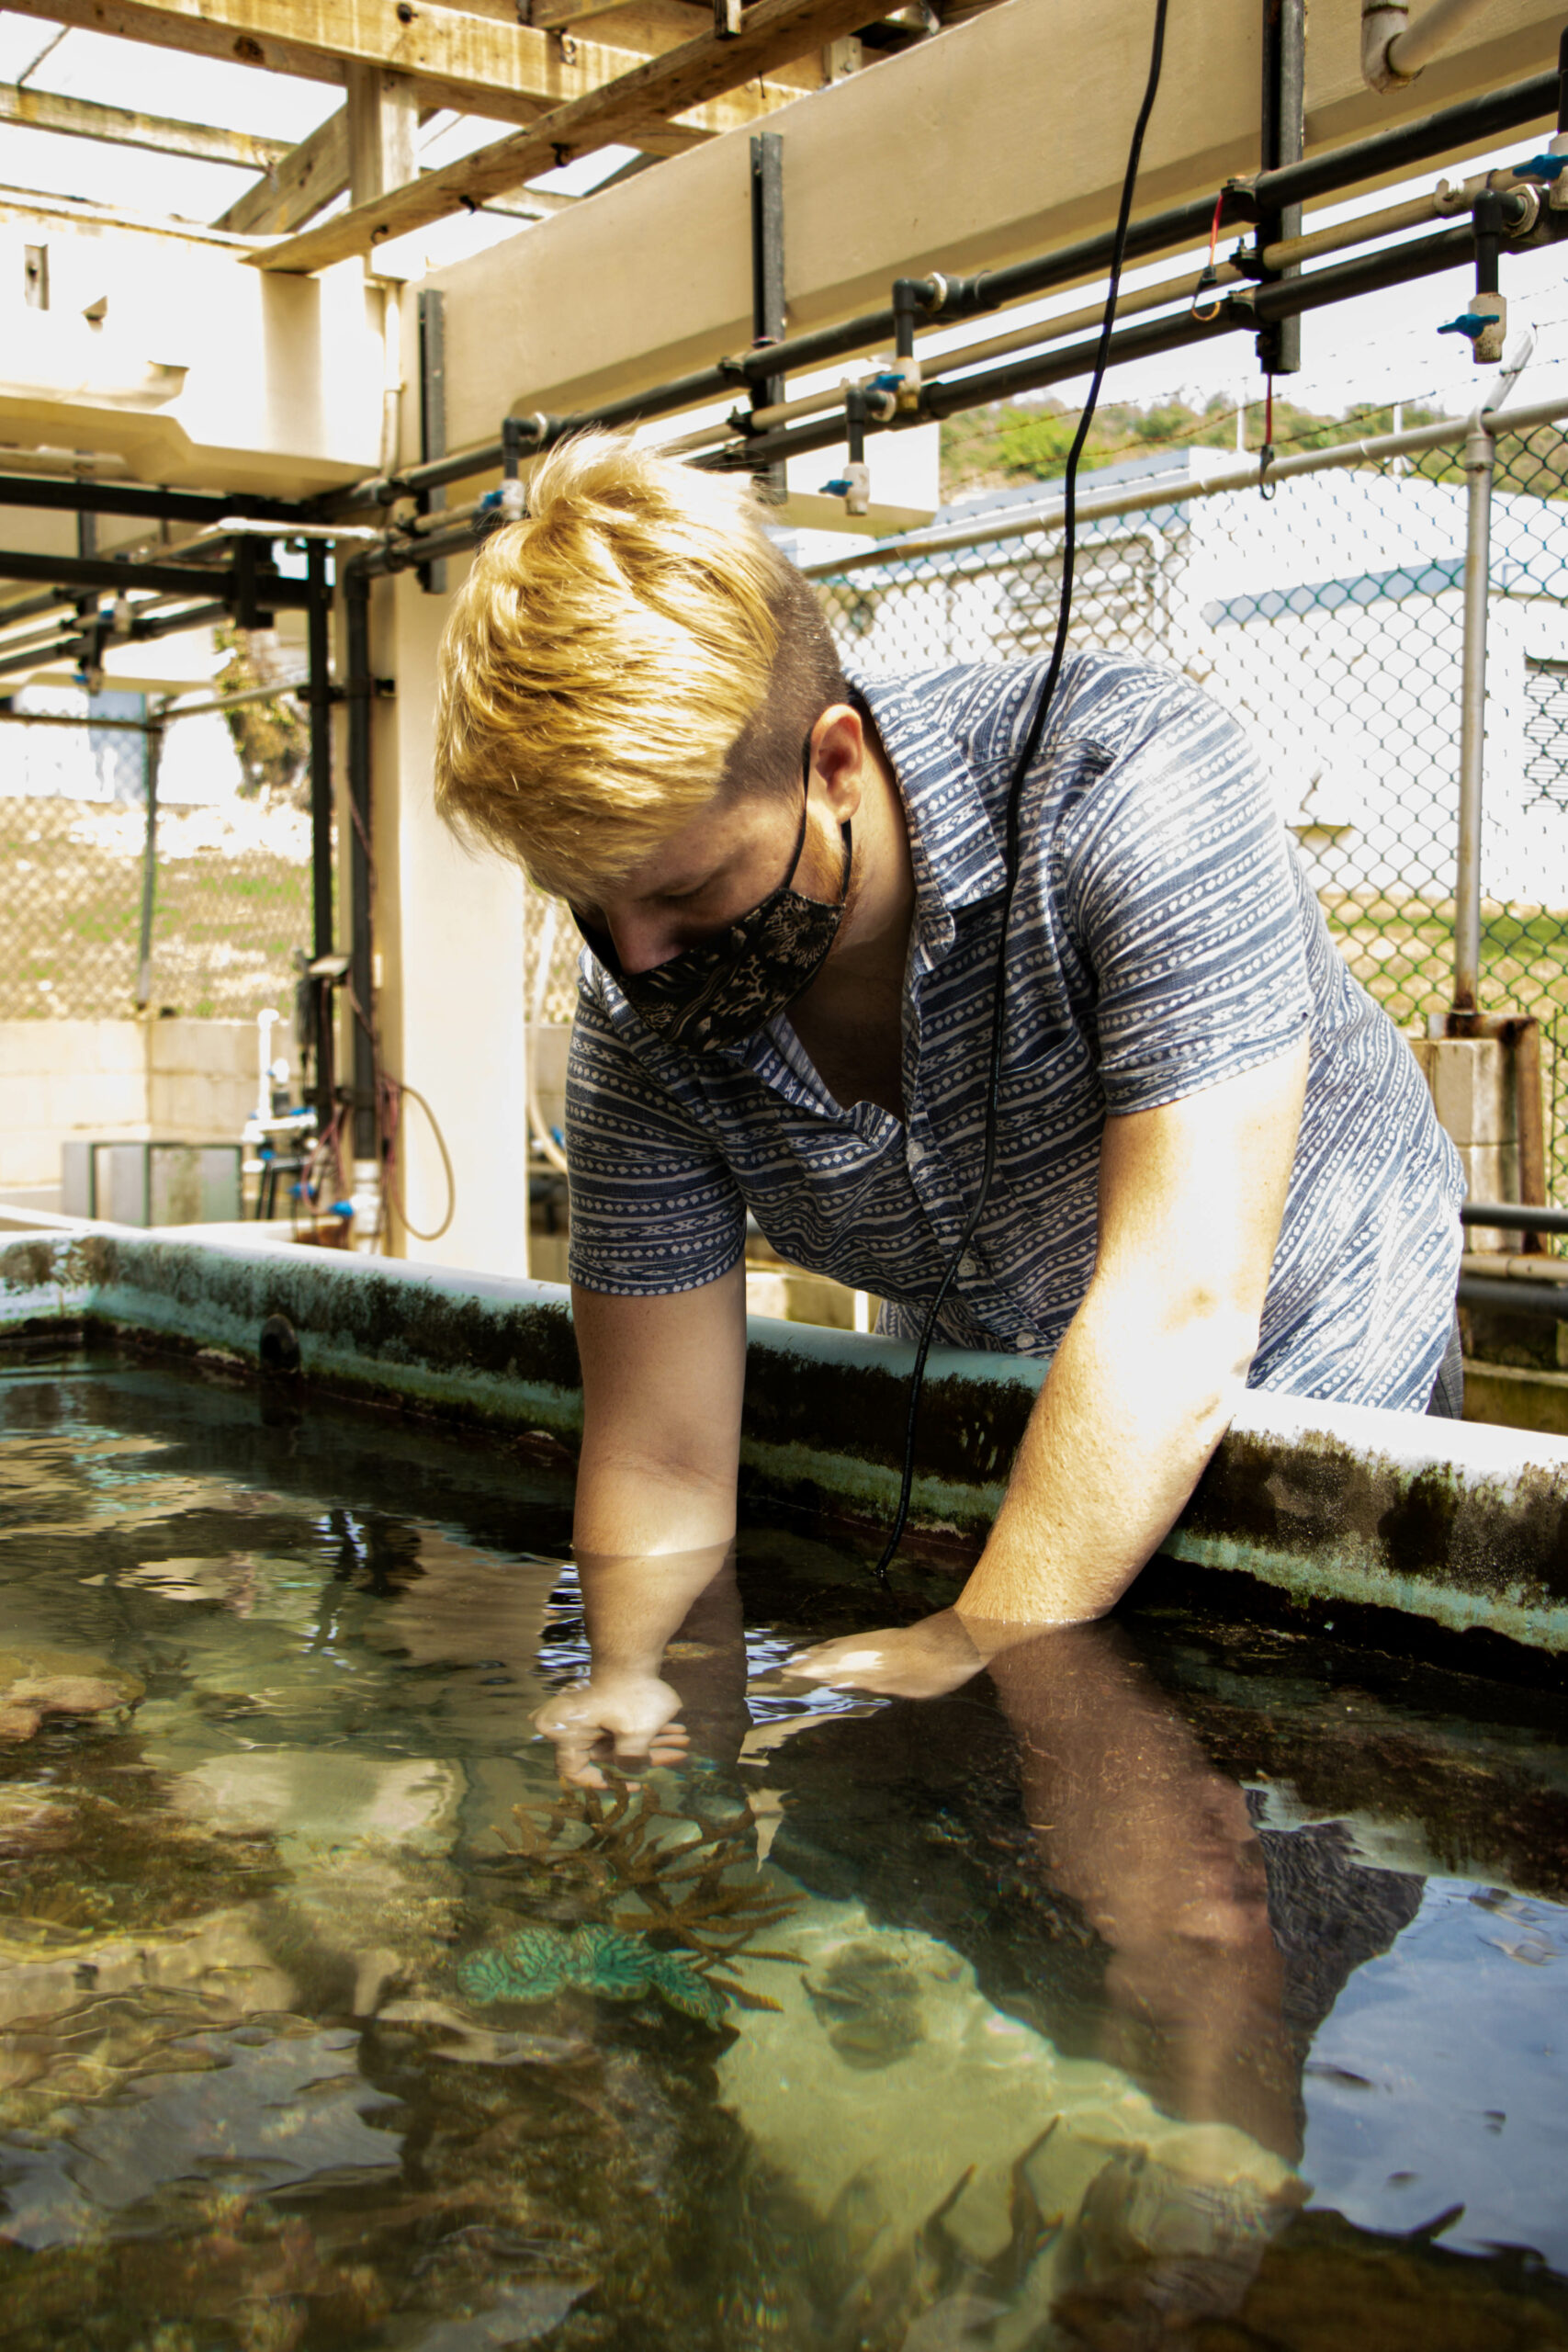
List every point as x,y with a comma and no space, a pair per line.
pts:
733,985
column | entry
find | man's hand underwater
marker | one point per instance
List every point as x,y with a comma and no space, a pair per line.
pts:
925,1660
616,1718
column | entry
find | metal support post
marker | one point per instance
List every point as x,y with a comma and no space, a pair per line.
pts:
360,686
1480,452
432,416
768,285
152,752
317,626
1284,115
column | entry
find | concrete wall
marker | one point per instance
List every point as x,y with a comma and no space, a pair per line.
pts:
119,1080
204,369
448,928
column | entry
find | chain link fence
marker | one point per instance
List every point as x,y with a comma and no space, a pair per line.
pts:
1328,619
86,933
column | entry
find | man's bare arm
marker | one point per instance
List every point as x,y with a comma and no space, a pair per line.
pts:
1140,1392
662,1380
1154,1361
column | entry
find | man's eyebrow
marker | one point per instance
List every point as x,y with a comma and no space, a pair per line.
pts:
691,886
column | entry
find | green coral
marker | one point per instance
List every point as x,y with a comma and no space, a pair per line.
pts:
538,1962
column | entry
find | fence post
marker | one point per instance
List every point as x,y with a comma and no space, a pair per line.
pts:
152,752
1480,454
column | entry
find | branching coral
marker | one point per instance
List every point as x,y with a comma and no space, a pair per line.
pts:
647,1894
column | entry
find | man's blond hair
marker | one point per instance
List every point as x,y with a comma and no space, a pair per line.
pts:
614,660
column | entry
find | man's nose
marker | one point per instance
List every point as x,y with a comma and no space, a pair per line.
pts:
642,939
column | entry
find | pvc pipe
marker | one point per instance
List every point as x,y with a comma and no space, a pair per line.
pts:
1480,453
1515,1216
1439,28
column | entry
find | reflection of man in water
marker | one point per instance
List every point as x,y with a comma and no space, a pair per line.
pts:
1134,1913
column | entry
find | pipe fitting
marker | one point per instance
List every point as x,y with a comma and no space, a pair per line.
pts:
1381,28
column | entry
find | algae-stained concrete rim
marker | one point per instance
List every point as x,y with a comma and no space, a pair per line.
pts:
1460,1523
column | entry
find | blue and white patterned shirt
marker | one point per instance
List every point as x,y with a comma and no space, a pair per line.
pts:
1163,938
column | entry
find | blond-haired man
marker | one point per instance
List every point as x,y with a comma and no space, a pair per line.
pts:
1216,1162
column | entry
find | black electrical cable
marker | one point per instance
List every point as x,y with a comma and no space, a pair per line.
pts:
1026,759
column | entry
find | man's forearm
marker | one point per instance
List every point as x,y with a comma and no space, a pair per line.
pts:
1135,1403
634,1602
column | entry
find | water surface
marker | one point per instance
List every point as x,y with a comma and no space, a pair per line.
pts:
1190,1982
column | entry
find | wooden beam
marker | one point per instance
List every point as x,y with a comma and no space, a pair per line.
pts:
480,64
83,118
681,80
302,183
552,16
308,178
383,125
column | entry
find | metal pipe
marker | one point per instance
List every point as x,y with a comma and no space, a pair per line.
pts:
1473,122
318,617
1394,218
1284,300
1515,1297
1480,453
152,753
11,663
78,497
1284,129
114,572
1515,1215
360,686
27,609
173,624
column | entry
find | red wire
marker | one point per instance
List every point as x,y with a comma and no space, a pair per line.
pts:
1215,226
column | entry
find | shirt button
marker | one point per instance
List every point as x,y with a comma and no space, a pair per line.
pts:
968,1266
1024,1340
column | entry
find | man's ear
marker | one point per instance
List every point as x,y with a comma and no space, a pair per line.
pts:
839,755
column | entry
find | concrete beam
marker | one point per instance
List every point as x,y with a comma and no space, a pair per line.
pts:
480,64
203,372
681,87
155,134
1001,137
1341,1506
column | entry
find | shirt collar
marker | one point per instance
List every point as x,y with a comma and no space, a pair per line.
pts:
953,841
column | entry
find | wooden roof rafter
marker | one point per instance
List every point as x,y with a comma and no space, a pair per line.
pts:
478,63
660,90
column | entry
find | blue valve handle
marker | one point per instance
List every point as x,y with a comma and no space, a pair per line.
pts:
1469,324
1542,167
840,488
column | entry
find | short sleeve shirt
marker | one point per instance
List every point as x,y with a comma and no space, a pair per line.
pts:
1163,939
